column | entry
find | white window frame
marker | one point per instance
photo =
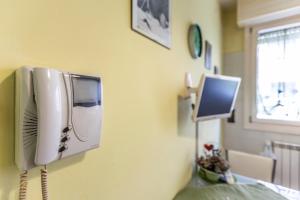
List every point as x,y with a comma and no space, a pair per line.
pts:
250,120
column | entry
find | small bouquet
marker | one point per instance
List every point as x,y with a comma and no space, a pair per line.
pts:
213,167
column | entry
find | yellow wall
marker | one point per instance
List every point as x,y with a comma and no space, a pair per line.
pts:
142,157
233,36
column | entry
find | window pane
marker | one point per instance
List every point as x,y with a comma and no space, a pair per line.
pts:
278,77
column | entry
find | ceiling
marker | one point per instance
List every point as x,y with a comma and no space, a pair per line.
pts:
226,4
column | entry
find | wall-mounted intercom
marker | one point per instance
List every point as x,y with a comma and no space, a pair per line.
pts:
58,114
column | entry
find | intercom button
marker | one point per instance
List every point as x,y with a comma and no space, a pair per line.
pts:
67,129
65,138
63,148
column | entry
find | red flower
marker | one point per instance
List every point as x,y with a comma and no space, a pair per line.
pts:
208,147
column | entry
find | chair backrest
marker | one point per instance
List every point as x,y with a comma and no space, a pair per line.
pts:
254,166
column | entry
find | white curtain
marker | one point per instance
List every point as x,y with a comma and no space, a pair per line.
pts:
278,74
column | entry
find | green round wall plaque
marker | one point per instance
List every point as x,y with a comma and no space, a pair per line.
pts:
195,41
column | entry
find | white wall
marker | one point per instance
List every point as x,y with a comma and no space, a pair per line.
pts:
257,11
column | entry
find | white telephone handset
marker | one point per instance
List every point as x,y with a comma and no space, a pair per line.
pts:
49,112
57,115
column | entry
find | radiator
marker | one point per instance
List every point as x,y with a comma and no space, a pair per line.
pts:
287,171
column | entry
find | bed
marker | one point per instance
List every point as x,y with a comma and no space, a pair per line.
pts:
245,189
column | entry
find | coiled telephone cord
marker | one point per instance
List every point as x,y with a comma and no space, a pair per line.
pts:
23,185
44,182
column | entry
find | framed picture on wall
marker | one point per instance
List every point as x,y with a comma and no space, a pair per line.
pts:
151,18
208,53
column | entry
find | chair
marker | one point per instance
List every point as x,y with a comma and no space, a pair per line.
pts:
254,166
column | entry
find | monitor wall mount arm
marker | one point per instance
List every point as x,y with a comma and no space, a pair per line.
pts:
189,89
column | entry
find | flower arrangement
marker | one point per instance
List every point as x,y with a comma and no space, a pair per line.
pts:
213,167
213,160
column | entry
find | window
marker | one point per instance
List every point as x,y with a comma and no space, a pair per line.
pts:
273,74
278,77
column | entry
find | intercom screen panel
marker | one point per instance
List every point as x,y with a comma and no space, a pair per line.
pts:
86,91
216,97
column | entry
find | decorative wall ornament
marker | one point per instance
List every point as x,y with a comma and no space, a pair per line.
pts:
195,41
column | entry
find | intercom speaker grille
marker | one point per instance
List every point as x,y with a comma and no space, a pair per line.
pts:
29,128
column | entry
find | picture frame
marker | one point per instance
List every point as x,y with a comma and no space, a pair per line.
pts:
208,55
152,18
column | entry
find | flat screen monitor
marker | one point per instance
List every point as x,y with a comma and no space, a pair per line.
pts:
216,97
